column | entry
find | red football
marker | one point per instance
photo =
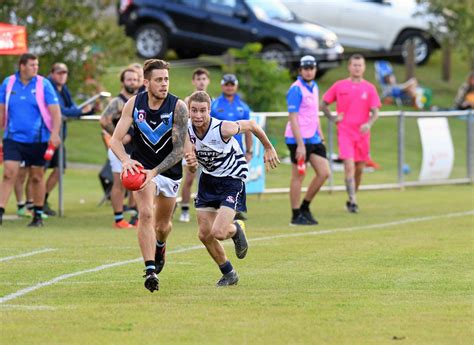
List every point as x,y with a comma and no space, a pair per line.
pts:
133,182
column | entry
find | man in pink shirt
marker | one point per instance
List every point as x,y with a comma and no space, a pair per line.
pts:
357,105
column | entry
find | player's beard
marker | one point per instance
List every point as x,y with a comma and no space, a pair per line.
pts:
157,96
131,90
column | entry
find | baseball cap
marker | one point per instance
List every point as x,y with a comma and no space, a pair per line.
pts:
59,67
229,78
308,61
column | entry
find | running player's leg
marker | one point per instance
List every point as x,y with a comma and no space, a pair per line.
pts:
117,196
146,233
362,155
296,182
10,173
164,207
359,169
207,221
347,149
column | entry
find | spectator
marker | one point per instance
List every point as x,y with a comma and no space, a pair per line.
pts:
305,140
139,68
200,80
465,96
29,108
58,78
391,90
357,110
129,79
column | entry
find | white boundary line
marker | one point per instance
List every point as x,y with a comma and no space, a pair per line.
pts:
53,281
27,254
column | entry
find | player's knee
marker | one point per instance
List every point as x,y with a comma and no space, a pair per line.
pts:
163,227
36,178
8,175
218,234
205,236
325,174
146,216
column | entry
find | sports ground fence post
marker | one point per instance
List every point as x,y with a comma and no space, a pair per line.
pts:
400,149
61,172
470,143
330,151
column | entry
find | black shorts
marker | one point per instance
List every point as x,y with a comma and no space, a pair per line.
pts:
31,153
54,162
317,149
215,192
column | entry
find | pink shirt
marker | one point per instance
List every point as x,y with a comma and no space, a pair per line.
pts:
354,100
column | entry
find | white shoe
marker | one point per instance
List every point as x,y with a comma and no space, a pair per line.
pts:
184,217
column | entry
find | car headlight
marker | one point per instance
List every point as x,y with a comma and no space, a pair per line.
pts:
307,42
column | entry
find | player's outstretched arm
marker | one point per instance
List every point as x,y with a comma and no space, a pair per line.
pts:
119,133
230,129
178,136
190,155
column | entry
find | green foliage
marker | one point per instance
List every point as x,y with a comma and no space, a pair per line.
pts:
263,83
459,18
74,32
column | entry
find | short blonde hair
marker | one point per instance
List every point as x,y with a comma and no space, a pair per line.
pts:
200,97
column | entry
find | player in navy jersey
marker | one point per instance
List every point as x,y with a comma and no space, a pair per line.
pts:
159,120
221,191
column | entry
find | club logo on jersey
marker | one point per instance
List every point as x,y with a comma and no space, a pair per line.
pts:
166,118
141,115
230,199
364,95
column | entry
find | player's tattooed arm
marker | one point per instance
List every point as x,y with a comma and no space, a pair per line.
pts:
108,115
178,136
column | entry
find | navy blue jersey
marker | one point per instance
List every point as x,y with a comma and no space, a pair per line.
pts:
151,139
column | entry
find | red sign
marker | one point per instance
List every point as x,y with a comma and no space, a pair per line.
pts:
12,39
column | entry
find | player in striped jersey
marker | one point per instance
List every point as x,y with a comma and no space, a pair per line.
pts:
221,191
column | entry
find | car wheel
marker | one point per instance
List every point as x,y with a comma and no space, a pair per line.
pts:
277,52
151,41
422,46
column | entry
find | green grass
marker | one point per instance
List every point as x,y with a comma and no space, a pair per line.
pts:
411,280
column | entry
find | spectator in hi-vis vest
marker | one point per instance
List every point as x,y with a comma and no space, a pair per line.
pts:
30,113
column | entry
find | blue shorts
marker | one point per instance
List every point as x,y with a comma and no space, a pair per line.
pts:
215,192
31,153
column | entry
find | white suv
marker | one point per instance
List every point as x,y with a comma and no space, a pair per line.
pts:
380,25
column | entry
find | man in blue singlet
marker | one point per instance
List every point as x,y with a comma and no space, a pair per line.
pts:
159,121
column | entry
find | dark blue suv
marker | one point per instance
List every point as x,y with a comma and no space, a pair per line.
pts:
193,27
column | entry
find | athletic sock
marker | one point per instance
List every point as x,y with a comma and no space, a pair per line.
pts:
296,212
118,216
184,207
305,205
2,211
20,205
226,267
160,244
150,266
46,198
29,205
38,211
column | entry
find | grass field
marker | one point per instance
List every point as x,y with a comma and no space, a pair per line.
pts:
401,269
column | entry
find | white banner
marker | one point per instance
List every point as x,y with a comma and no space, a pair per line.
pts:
438,150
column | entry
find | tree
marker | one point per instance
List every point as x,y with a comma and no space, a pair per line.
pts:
458,16
263,83
73,32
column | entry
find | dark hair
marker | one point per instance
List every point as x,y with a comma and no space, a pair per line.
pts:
25,57
356,57
200,71
122,75
153,64
201,97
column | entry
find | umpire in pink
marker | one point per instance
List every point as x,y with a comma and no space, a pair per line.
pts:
305,140
357,105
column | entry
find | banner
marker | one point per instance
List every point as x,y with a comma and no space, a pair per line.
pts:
12,39
255,184
438,150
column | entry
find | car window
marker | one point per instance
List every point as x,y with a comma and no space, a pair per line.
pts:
190,3
224,7
276,10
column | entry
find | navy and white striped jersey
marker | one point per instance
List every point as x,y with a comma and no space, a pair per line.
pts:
217,157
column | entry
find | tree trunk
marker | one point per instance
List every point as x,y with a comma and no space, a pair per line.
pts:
446,64
410,60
